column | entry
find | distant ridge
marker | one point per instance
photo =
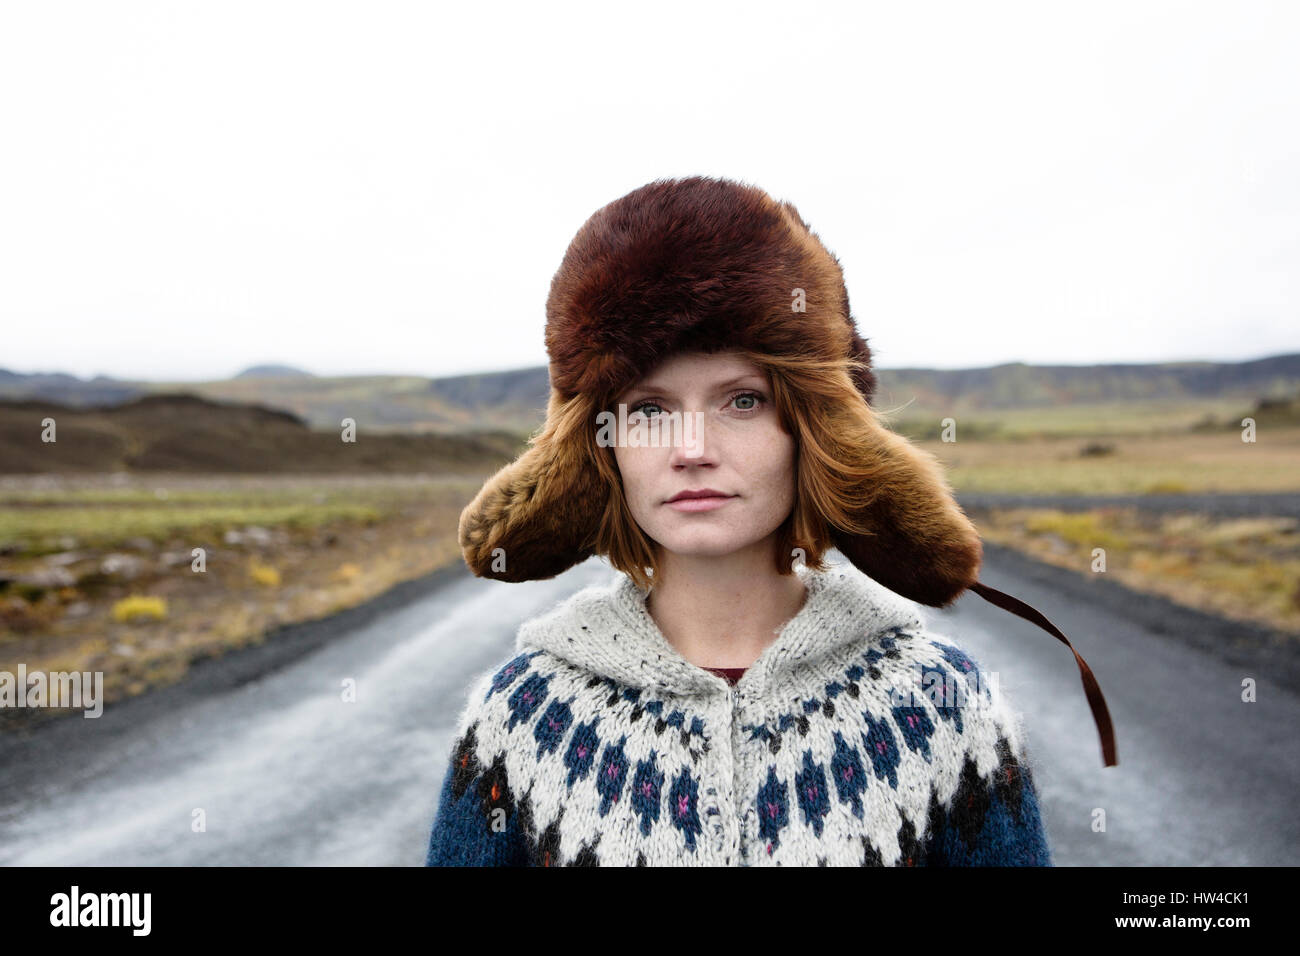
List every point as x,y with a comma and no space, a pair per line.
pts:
66,389
1020,385
1012,397
274,371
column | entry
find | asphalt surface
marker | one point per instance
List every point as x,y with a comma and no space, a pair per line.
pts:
262,749
1278,504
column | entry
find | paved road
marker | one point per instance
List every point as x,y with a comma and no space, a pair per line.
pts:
1244,505
1203,779
288,774
285,772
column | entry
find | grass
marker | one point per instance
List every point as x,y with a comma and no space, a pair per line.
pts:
1192,463
1118,418
323,547
101,511
139,606
1240,568
43,530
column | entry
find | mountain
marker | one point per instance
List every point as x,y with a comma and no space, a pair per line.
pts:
66,389
1018,385
273,371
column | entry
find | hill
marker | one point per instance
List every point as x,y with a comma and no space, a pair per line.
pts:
273,371
189,433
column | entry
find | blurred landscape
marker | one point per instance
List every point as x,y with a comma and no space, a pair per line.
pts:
98,529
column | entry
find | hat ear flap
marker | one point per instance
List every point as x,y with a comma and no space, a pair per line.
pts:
537,516
919,544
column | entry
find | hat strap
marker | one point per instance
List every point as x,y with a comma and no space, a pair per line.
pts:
1100,714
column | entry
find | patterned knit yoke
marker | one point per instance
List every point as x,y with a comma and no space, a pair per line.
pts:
858,738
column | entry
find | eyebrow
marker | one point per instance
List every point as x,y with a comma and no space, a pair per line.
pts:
653,387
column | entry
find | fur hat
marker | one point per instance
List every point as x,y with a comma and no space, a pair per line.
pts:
705,264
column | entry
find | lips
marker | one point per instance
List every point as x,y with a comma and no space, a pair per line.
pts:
700,500
700,493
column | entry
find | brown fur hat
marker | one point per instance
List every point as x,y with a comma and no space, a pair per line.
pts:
704,264
693,265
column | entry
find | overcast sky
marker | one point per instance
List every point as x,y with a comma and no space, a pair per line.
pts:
187,189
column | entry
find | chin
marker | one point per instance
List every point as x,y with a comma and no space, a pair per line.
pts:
703,547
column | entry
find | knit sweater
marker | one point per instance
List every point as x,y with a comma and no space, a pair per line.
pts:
858,737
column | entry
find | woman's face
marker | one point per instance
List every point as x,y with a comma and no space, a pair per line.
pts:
718,429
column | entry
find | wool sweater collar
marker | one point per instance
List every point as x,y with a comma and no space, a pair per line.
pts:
608,631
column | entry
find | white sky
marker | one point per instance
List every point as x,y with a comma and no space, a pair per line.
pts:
187,189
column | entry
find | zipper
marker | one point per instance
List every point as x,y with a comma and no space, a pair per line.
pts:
738,798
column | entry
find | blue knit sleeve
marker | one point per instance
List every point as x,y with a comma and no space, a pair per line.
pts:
991,821
477,823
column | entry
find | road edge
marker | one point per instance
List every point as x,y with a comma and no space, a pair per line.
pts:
1261,651
214,674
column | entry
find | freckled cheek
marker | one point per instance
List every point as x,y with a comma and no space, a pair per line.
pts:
771,473
640,487
633,469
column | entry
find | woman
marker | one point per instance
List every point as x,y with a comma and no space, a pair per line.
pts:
731,698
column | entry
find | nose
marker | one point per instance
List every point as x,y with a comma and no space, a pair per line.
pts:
690,446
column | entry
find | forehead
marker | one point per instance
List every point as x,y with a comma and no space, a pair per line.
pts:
700,368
